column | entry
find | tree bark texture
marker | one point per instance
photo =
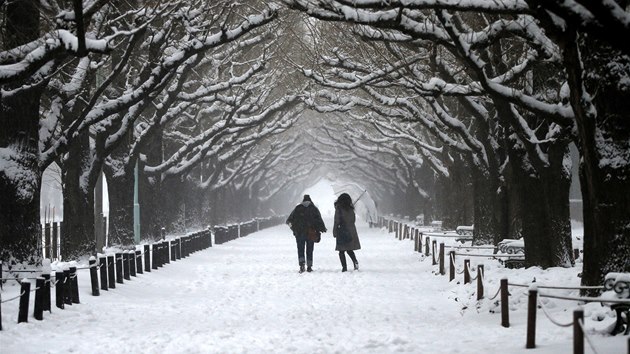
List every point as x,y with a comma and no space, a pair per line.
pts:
597,71
20,172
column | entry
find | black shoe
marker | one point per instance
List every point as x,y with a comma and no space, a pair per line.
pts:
309,269
344,269
356,266
302,268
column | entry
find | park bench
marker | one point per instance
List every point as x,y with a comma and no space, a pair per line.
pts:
514,247
617,286
465,230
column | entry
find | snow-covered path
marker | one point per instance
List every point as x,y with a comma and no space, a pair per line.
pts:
246,296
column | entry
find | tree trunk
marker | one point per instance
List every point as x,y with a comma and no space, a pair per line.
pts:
120,188
78,237
544,206
20,172
488,208
604,143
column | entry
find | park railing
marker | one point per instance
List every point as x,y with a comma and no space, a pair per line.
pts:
107,271
403,230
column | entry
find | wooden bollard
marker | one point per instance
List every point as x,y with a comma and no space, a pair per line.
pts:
442,269
451,272
178,248
532,303
111,269
102,261
138,262
46,277
173,255
167,250
59,289
433,247
479,281
147,258
426,246
119,268
46,271
155,256
94,277
505,306
415,243
67,286
38,306
25,292
125,260
419,235
466,271
74,285
132,263
578,334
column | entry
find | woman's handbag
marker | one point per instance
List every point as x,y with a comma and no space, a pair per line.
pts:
313,235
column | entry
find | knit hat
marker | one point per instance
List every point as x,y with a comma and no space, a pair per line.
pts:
307,198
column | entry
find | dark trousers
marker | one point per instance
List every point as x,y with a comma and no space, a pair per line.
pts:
301,243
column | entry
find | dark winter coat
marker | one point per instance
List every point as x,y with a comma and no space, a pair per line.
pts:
347,217
305,215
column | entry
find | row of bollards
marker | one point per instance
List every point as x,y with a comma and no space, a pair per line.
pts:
113,269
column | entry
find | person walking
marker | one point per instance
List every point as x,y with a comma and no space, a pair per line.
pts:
304,217
345,231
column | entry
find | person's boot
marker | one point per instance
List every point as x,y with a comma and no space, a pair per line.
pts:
301,267
344,266
356,265
309,269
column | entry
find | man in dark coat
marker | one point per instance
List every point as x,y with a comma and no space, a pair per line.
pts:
305,216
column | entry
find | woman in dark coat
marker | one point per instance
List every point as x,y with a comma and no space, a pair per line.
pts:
345,231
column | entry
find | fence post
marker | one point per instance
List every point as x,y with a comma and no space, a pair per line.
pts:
119,268
46,304
102,261
67,286
138,262
451,273
155,255
38,308
433,247
466,271
442,270
110,272
59,279
94,276
505,308
419,236
125,257
578,334
532,303
23,309
55,238
132,263
426,246
167,250
178,248
479,281
147,258
74,285
415,243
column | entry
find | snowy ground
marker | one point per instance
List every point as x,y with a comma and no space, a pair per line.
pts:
246,296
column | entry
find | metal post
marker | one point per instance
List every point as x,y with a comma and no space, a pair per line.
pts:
102,261
578,334
24,297
532,303
59,279
433,247
74,285
479,281
110,272
442,270
451,257
466,271
38,308
94,276
505,308
138,262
